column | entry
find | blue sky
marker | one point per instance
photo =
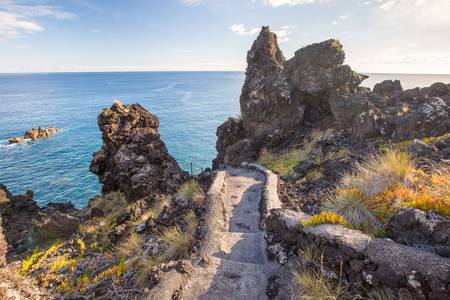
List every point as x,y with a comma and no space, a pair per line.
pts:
403,36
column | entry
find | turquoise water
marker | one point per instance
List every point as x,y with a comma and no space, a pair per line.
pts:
190,106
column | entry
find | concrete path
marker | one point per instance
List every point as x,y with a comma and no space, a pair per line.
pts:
237,266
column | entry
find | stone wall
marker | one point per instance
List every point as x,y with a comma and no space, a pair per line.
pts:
410,272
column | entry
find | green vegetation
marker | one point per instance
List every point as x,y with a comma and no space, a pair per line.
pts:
381,185
403,145
325,217
284,163
360,210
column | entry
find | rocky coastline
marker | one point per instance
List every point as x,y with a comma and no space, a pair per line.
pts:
308,136
34,134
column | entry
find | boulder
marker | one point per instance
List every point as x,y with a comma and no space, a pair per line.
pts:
421,149
437,89
229,133
134,159
242,151
303,167
3,246
59,225
388,88
414,227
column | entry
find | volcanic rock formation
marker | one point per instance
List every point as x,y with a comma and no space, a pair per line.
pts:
35,134
133,158
281,101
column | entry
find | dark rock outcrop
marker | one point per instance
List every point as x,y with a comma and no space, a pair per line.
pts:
133,158
266,101
35,134
17,213
282,101
388,88
279,97
414,227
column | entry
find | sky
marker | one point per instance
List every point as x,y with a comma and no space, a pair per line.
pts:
379,36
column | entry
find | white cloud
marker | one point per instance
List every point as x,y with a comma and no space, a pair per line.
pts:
240,29
387,5
420,12
191,2
17,20
277,3
13,25
283,33
38,11
365,3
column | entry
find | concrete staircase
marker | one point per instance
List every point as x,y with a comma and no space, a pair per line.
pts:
237,266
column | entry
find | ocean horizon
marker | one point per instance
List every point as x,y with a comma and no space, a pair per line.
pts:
189,104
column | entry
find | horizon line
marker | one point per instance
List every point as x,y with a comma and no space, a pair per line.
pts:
194,71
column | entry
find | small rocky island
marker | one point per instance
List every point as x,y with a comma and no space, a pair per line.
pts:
35,134
322,189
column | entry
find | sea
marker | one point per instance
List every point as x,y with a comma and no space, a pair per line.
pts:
190,106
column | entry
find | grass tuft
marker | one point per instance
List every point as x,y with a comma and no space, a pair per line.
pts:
317,286
379,172
312,253
325,217
180,241
358,209
192,192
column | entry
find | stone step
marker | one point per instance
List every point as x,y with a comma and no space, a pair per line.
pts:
237,246
226,279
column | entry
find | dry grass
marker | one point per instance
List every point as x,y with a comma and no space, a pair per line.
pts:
379,172
179,241
381,294
114,202
192,192
311,253
440,180
358,209
384,183
316,286
143,268
132,249
325,217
